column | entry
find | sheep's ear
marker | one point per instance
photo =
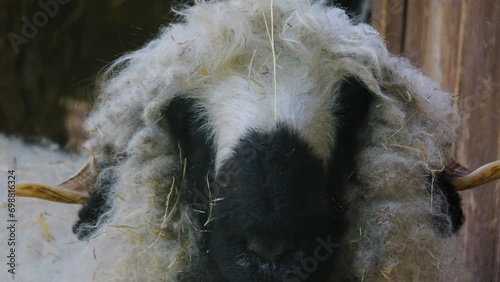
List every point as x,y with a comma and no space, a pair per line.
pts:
75,190
96,209
455,178
447,216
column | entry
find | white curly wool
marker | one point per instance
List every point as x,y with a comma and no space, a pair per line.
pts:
221,54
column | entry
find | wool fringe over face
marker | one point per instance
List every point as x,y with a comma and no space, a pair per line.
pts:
220,53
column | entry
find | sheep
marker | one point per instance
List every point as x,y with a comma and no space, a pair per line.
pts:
269,141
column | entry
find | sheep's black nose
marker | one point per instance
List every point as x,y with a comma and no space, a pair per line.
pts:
269,249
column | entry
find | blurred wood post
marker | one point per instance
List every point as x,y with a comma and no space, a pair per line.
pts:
457,43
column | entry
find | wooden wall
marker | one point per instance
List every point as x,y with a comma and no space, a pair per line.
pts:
457,43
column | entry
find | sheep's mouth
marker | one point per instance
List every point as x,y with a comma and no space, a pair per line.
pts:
263,267
268,264
296,266
267,269
308,260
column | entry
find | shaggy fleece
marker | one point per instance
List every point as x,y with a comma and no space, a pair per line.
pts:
220,53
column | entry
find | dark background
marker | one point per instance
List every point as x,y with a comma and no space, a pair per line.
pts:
47,84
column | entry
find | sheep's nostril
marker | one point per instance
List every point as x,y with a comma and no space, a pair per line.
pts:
269,249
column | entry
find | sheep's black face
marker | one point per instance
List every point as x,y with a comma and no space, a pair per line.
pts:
274,211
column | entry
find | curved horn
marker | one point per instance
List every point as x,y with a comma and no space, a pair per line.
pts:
50,193
478,177
75,190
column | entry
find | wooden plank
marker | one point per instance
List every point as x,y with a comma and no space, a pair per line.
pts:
388,19
431,38
478,86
